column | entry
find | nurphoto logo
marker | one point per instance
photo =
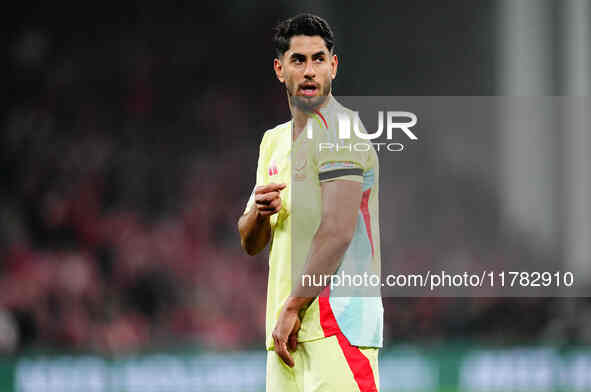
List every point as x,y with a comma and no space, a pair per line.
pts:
344,132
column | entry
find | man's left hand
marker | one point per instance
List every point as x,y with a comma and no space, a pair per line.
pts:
285,334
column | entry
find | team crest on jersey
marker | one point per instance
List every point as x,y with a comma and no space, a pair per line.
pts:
299,165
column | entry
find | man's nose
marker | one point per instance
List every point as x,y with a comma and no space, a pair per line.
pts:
309,70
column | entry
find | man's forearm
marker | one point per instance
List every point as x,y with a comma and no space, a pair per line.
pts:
255,231
326,252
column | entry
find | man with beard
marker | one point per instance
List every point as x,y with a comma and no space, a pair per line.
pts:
316,202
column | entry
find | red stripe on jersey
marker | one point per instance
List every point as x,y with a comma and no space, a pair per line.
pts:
322,117
327,320
366,216
359,365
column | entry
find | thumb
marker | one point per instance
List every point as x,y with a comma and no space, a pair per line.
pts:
292,341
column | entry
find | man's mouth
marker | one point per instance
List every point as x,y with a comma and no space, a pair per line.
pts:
309,90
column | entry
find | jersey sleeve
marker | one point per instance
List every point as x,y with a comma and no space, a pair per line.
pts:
340,159
259,175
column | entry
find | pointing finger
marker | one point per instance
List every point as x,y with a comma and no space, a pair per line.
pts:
269,188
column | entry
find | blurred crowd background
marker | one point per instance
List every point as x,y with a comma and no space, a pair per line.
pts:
128,149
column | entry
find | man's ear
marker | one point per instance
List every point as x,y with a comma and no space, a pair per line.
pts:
278,67
334,66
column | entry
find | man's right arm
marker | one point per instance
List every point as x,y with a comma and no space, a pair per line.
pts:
254,226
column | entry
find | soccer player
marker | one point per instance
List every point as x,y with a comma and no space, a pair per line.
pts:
316,202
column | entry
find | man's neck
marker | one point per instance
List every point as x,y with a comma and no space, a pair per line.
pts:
300,117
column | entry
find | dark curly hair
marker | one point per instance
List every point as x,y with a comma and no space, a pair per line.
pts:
302,24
